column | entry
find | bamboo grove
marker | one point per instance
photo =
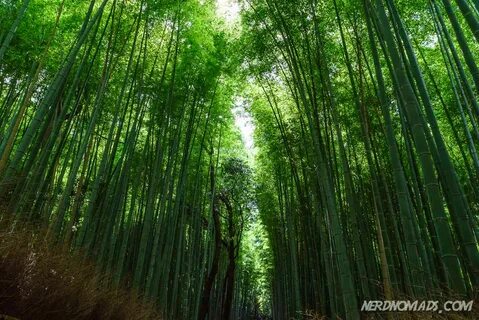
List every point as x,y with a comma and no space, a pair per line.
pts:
117,136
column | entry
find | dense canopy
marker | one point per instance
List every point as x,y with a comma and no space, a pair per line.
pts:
259,159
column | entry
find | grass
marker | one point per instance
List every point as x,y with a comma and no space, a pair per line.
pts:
39,281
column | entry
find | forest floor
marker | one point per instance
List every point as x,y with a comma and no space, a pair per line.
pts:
42,281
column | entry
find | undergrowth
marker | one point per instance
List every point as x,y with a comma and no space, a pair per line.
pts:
39,280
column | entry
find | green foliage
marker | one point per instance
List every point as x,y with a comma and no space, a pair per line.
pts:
117,133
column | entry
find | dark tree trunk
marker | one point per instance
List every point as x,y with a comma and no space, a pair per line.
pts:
229,282
231,247
210,279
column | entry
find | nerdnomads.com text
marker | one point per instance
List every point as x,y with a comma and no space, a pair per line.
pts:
416,306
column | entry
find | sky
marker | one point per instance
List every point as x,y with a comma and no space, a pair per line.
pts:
229,10
245,123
